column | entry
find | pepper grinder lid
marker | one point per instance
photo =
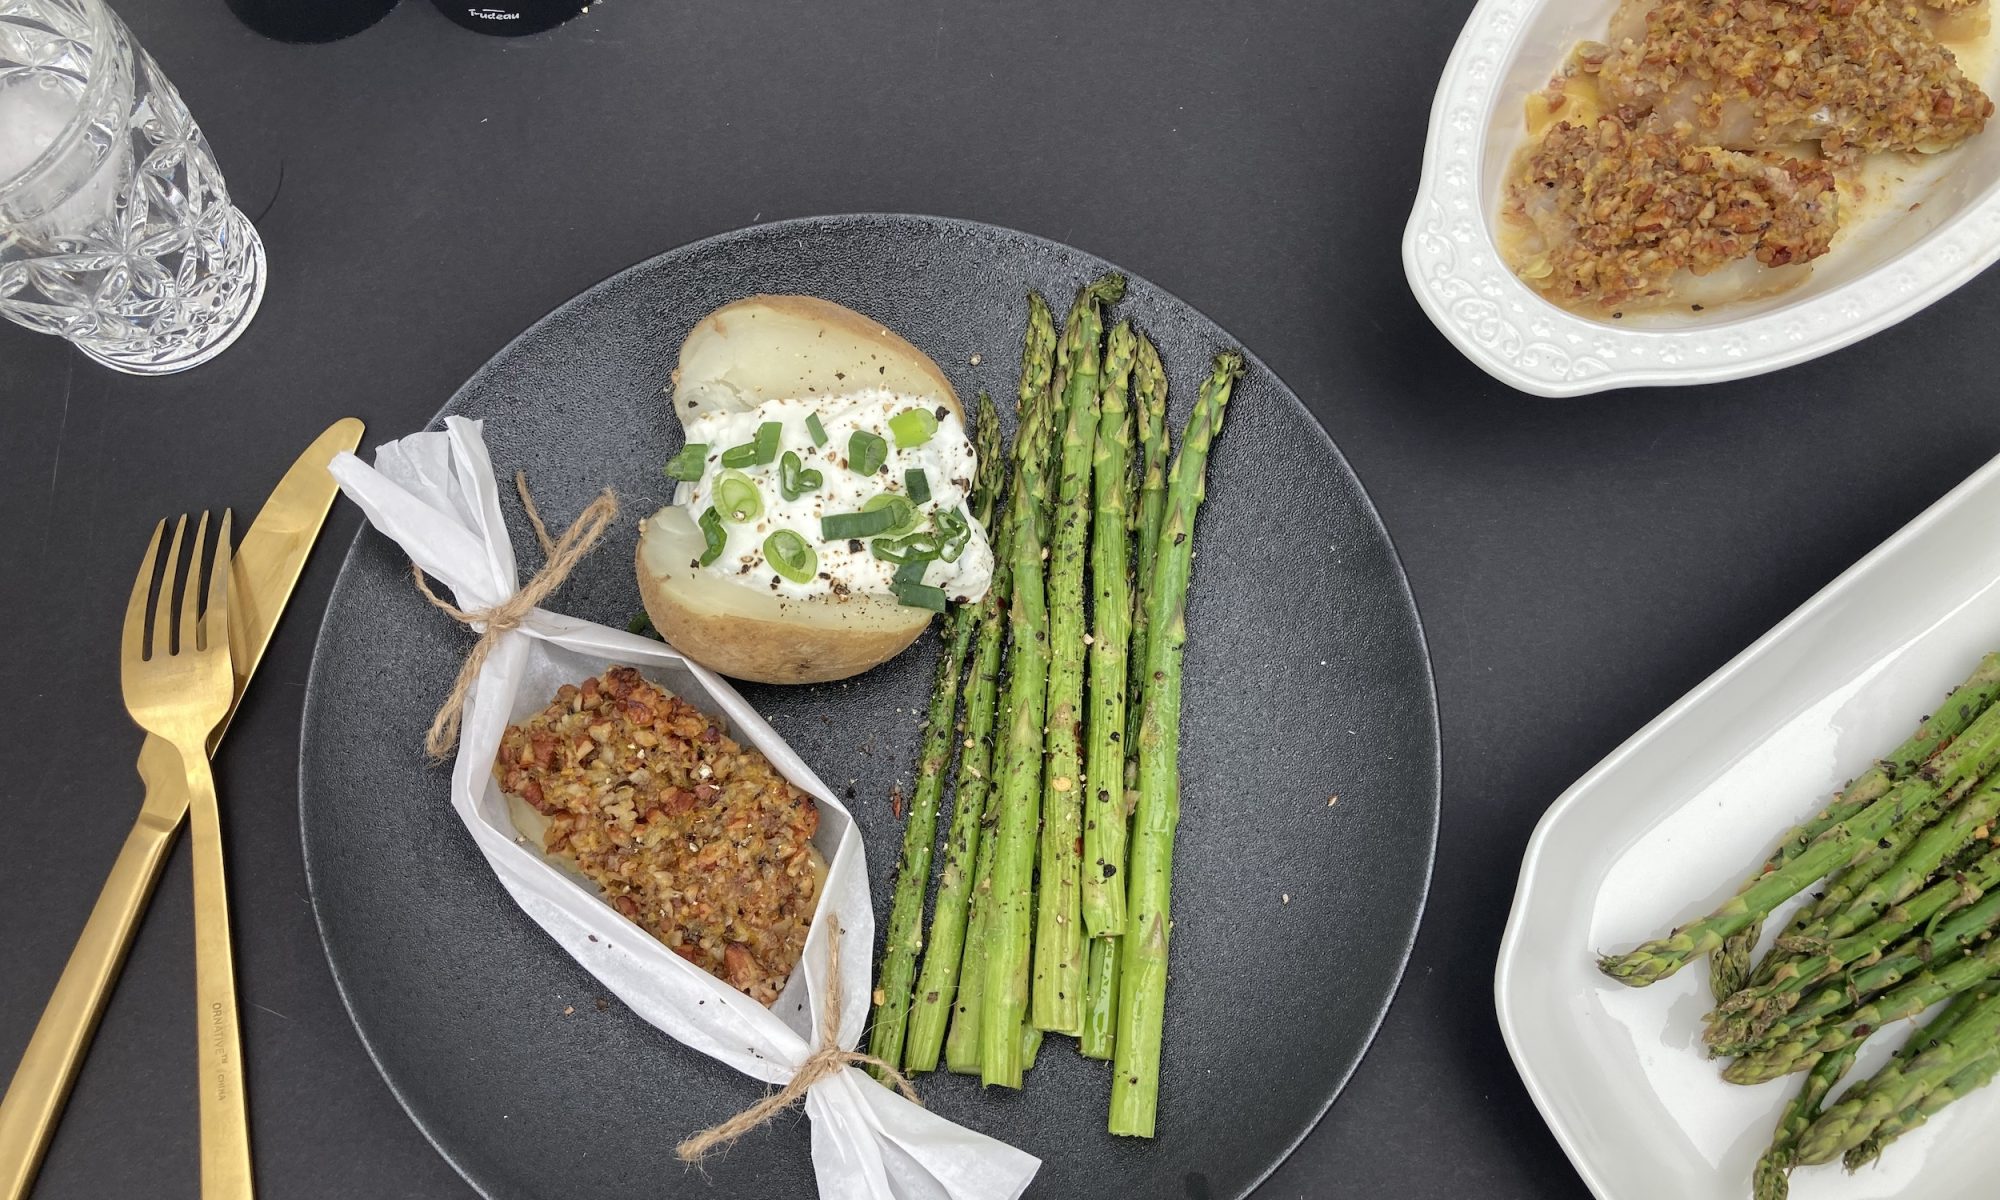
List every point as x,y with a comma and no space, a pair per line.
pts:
511,18
310,20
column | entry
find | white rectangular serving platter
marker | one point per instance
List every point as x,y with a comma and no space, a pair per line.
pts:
1672,822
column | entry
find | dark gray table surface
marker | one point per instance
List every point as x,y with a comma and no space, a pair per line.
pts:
425,193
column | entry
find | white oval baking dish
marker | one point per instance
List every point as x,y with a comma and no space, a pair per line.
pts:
1877,273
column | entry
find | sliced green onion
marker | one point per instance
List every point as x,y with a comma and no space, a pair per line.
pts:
817,430
839,527
919,595
760,450
913,571
918,485
866,453
913,427
790,556
688,465
712,533
906,512
918,547
738,498
954,531
794,480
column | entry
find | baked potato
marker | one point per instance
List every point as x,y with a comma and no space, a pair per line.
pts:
821,516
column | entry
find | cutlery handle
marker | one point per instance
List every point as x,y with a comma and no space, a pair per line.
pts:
42,1081
225,1122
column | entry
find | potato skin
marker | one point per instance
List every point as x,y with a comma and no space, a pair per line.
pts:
763,650
825,313
739,325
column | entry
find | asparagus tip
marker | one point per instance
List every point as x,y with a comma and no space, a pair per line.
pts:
1768,1181
1636,969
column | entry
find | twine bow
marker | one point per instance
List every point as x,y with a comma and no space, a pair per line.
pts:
827,1061
562,555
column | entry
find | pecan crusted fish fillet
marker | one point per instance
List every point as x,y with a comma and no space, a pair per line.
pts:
1867,74
696,838
1619,214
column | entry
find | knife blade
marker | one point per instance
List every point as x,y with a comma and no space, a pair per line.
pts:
268,563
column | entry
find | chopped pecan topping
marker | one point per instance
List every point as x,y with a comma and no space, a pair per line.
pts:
1621,211
697,839
1752,73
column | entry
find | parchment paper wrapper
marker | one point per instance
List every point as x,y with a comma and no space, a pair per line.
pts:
434,494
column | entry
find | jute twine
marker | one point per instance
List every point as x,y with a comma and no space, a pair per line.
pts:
562,556
826,1061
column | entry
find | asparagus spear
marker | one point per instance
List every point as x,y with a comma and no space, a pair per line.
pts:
961,1046
1005,997
1961,705
1149,403
1025,501
1111,630
1929,950
1806,933
1058,936
1921,860
1149,480
1948,1017
1135,1080
1745,1014
1031,1036
1768,1179
1811,929
1947,777
1901,1084
904,939
1031,1046
1977,1074
1906,1000
1868,864
1729,964
1890,863
1922,1039
937,983
1100,1000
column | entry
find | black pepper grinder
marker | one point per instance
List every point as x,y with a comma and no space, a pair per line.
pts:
511,18
310,20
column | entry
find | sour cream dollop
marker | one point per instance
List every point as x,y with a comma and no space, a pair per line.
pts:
846,566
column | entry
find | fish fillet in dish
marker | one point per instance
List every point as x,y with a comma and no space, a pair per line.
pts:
1748,74
1617,215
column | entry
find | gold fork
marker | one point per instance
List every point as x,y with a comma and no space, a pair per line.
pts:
179,689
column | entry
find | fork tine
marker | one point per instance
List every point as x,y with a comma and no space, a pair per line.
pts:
191,602
215,618
163,610
133,648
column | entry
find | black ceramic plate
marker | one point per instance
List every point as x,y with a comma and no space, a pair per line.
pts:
1306,679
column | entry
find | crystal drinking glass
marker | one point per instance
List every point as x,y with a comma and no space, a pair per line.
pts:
116,230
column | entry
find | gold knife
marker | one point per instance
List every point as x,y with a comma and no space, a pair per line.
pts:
268,563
